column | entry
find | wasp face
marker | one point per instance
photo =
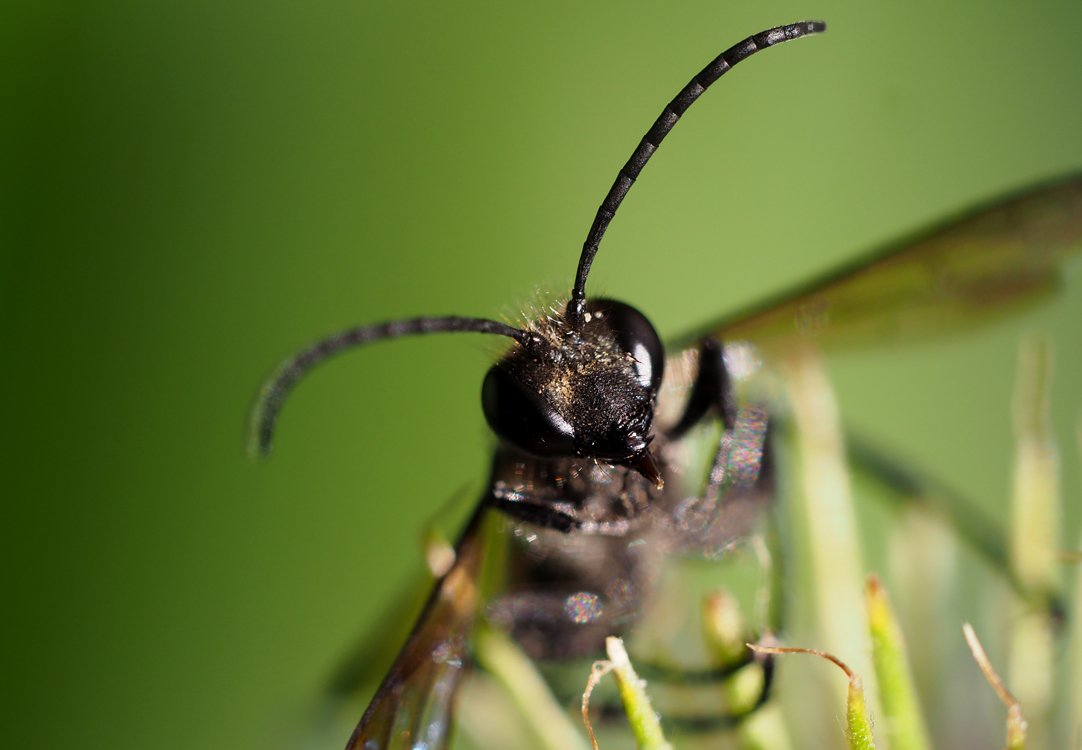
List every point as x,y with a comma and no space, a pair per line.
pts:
588,391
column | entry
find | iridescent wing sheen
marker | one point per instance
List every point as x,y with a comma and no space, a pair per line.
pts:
413,707
994,259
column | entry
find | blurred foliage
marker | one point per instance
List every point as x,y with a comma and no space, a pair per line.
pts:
1032,633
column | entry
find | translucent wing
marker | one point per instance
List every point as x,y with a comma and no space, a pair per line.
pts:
414,704
993,259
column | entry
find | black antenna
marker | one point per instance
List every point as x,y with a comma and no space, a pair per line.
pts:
718,67
274,392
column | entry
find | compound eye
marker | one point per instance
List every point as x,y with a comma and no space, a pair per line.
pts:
523,418
636,336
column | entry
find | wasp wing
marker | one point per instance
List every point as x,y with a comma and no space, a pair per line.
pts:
413,706
993,259
989,261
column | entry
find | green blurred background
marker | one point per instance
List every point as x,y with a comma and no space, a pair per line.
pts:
193,190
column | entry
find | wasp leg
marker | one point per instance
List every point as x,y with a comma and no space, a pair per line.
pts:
739,484
711,391
964,517
537,514
742,456
706,722
722,721
740,481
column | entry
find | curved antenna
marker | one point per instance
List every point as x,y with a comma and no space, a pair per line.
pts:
274,392
665,122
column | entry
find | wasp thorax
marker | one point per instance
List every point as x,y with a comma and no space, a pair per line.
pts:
588,391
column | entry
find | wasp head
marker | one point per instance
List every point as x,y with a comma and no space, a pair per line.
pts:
586,391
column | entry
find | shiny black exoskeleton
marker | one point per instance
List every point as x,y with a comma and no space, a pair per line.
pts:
589,391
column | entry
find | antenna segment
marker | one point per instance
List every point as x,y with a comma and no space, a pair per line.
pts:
665,122
274,392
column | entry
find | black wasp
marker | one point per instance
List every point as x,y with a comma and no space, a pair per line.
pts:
585,480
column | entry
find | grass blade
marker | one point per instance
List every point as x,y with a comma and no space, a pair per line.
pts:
905,728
